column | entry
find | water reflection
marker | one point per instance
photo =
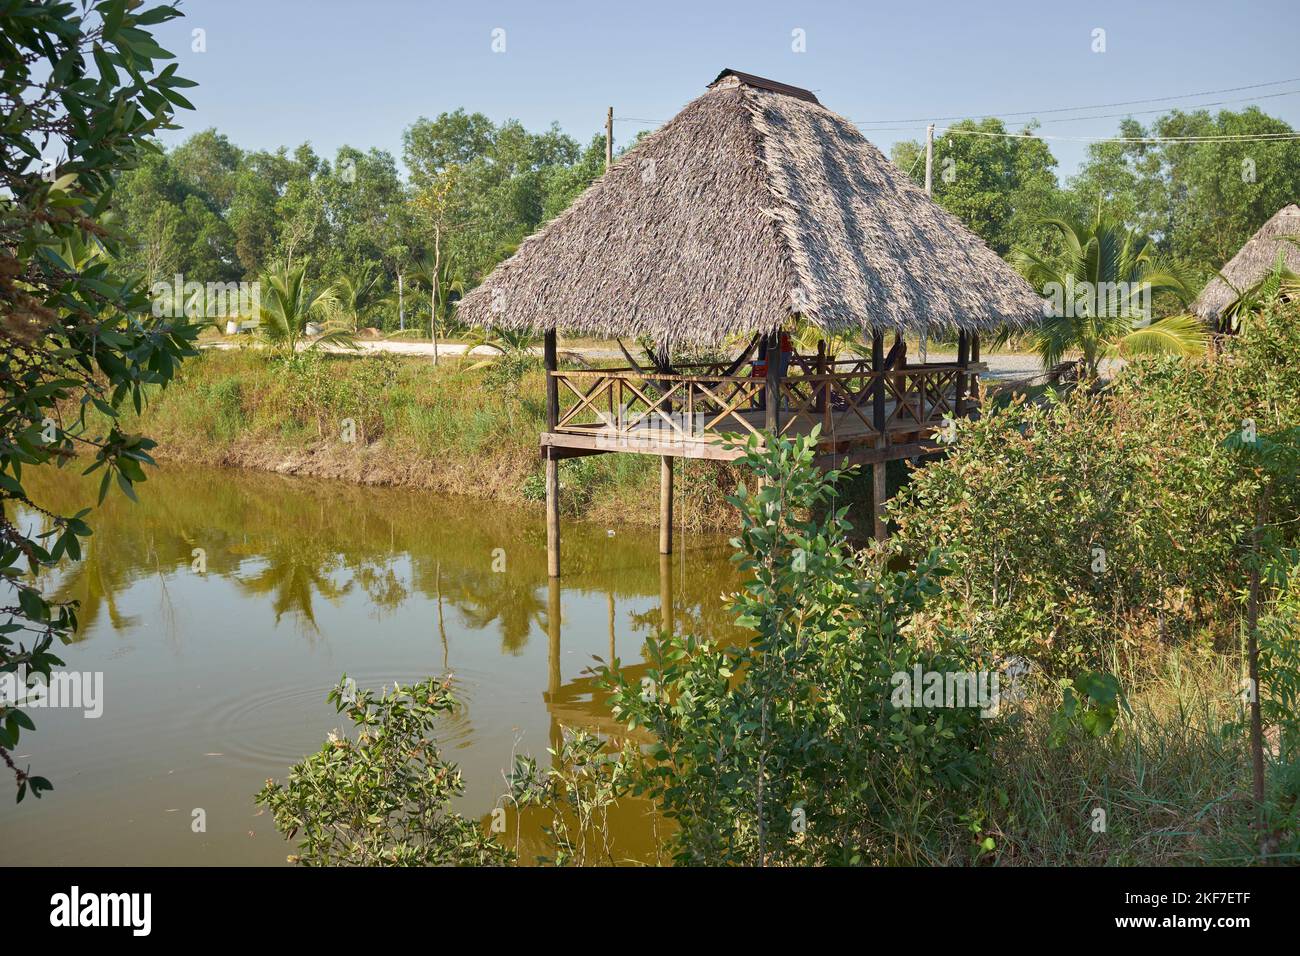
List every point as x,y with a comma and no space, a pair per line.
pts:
216,680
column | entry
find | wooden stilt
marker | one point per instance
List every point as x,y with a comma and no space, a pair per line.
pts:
772,387
552,517
879,495
613,644
665,505
666,593
550,359
553,622
963,377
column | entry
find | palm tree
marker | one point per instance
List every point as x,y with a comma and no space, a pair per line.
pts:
438,275
353,292
288,303
509,343
1100,290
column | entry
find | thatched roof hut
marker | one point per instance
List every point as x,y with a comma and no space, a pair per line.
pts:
754,204
1253,262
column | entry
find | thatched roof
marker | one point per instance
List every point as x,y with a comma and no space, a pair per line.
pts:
1253,262
753,204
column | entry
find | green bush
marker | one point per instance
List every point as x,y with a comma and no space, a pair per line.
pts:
1087,523
383,797
788,749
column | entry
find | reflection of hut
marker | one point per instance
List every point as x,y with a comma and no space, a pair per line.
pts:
752,210
1252,263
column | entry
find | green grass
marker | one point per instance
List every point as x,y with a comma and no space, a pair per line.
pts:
450,428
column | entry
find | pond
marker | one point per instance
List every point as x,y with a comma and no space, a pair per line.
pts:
223,606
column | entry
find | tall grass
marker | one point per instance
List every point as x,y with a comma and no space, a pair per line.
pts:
452,428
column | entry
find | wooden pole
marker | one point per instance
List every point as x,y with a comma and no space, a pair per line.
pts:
929,160
553,622
963,363
609,137
822,389
550,358
613,644
772,390
879,495
665,504
666,593
878,485
878,389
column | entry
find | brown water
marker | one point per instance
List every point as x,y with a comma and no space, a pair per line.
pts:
214,682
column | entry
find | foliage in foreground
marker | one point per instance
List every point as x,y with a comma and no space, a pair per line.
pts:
382,797
1090,524
75,336
787,749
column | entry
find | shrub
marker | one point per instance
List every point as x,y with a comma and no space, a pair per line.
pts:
384,797
1087,523
787,748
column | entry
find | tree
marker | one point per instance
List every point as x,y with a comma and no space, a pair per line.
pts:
77,338
1100,289
997,183
353,294
439,276
1199,200
289,302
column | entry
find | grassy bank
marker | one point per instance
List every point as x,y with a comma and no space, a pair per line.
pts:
450,429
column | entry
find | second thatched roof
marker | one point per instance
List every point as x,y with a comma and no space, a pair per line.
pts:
1253,262
754,204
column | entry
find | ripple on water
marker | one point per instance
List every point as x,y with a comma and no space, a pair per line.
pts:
272,728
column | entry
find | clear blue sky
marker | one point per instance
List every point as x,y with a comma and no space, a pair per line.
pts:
281,72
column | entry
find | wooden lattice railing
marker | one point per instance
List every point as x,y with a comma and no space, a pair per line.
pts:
702,404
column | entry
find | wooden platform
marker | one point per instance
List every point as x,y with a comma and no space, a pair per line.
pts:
839,430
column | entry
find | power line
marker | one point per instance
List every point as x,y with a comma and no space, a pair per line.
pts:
1245,138
1076,119
1097,106
1225,138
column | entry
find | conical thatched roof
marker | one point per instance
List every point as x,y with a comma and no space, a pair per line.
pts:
754,203
1253,262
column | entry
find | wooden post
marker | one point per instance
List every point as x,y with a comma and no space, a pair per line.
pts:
878,485
549,357
822,390
552,516
929,160
772,389
609,138
613,644
665,504
963,363
879,495
878,390
666,593
553,622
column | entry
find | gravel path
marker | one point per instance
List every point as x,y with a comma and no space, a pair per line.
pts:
1002,366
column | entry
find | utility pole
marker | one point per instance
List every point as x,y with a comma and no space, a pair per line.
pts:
609,138
401,308
929,160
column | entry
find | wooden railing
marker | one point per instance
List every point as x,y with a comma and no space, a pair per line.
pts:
701,404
